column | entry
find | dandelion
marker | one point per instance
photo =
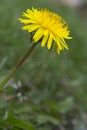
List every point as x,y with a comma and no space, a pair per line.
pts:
47,27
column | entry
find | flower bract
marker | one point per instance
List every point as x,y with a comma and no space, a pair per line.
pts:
47,27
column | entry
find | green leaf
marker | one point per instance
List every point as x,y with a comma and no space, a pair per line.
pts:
19,123
66,105
45,118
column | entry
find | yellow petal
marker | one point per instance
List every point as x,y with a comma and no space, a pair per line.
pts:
49,43
58,51
59,45
26,21
44,40
38,34
46,32
26,15
30,28
28,11
64,43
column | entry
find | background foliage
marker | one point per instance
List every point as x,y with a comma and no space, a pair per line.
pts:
49,91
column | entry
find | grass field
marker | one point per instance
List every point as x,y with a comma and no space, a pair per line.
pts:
49,90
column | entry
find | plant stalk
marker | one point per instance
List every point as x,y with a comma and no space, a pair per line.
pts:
16,67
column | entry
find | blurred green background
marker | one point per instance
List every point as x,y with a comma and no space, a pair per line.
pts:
49,90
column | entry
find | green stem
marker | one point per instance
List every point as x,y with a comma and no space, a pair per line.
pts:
16,67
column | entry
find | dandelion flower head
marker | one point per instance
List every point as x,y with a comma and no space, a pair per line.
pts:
46,26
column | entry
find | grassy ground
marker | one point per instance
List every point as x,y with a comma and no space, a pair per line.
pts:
53,88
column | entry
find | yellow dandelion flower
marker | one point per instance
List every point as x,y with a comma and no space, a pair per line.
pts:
48,27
